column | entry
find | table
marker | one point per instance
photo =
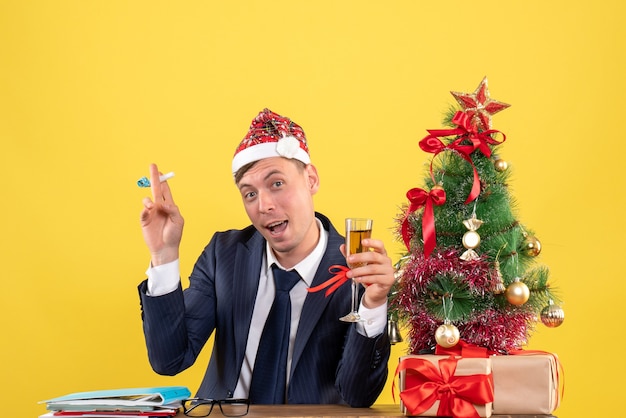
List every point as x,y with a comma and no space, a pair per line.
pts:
335,411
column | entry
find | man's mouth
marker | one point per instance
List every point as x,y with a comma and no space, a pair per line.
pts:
277,227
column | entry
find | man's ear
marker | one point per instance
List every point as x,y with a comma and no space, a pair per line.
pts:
313,178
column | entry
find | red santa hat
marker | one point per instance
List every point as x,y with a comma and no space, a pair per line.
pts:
271,135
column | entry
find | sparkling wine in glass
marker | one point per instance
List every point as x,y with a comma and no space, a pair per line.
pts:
357,229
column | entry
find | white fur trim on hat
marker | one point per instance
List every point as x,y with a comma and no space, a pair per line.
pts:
288,147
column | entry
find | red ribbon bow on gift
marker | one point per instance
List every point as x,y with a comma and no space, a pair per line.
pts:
464,349
457,395
466,131
418,198
334,282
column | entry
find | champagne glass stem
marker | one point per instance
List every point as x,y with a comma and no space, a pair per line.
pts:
355,298
353,316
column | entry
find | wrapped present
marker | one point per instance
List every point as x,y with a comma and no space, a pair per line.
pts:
526,383
433,385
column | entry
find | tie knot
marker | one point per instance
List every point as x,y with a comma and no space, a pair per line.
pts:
285,280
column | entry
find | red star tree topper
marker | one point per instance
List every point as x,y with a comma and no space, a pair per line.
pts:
479,106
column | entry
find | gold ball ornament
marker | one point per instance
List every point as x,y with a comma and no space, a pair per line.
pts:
500,165
532,246
552,315
447,335
517,293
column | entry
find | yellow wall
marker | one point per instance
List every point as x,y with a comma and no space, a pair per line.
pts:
91,92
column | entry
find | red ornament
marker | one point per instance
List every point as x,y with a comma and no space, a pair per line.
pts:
479,106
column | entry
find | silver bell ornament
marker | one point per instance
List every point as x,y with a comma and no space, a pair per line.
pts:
393,331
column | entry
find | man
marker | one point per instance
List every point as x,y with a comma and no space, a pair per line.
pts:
231,288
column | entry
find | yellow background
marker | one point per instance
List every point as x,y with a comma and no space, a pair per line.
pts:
92,92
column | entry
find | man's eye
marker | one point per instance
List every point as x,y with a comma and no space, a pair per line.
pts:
278,183
249,195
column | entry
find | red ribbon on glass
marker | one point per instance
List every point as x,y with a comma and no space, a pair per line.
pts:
465,131
421,198
425,384
334,282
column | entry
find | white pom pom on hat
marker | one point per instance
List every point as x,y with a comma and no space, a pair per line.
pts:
271,135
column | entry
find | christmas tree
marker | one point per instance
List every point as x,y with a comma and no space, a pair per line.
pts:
470,272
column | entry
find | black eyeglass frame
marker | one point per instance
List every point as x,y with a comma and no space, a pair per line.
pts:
192,403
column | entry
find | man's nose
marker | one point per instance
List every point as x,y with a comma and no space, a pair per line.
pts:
266,202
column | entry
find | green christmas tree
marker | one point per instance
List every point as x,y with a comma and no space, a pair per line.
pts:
470,272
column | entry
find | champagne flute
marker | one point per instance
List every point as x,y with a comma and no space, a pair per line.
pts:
357,229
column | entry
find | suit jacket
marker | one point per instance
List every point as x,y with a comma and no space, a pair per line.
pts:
332,363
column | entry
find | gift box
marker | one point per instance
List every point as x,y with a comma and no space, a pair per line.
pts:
441,385
526,383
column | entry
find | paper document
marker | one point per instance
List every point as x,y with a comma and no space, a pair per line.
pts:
151,401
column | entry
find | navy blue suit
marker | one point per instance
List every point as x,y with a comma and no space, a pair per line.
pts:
332,363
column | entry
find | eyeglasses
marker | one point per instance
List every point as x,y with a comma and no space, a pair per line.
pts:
198,407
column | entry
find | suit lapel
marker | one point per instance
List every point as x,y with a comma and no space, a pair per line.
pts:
316,302
247,265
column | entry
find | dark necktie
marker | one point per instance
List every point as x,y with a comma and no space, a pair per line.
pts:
269,376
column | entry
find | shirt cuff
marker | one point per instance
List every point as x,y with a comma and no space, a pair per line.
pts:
163,279
375,320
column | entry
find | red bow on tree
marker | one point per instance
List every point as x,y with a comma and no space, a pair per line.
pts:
418,198
465,131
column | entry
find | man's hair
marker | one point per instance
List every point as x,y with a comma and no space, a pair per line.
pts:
244,169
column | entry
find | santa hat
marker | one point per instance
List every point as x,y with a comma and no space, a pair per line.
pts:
271,135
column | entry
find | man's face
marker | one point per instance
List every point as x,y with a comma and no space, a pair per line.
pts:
277,194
